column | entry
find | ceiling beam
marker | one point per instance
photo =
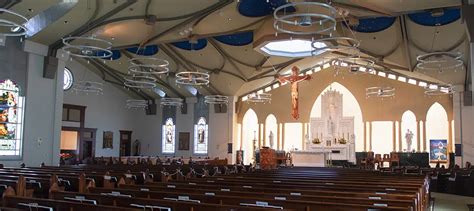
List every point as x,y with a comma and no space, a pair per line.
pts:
403,28
364,5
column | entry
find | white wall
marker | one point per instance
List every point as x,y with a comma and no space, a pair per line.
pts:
41,112
105,112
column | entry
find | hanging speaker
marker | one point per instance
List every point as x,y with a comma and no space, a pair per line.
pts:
229,148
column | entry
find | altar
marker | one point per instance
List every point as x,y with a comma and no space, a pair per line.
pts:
309,158
332,133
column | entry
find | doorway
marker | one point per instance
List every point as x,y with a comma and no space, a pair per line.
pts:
125,142
77,144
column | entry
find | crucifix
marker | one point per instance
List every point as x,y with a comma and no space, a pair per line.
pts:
294,79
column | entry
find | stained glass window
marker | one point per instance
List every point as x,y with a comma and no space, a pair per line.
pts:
68,79
200,136
168,136
11,120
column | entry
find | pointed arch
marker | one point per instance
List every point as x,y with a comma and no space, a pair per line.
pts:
249,133
271,126
351,107
409,130
437,124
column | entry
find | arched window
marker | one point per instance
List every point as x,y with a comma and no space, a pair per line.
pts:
68,79
168,141
11,120
200,136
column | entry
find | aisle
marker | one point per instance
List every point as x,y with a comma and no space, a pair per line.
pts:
449,202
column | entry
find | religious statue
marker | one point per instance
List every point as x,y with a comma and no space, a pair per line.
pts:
136,148
201,135
270,138
294,79
409,137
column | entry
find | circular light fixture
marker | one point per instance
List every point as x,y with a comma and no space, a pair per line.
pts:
148,66
356,64
192,78
167,101
137,104
380,92
88,87
216,99
439,61
140,82
13,28
435,90
305,21
259,98
87,47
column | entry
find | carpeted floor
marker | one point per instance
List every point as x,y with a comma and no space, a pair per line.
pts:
449,202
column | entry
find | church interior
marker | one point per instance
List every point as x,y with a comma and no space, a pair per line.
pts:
213,105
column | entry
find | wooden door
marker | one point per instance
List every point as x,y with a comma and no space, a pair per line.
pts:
87,143
125,142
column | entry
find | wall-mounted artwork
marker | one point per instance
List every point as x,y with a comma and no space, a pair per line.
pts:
108,140
438,150
184,140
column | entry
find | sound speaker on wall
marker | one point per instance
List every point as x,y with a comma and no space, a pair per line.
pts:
50,67
151,109
229,148
467,98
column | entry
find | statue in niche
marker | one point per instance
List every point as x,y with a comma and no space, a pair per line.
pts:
408,139
270,138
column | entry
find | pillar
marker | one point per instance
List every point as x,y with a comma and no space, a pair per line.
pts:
283,136
303,132
370,136
424,135
418,136
400,139
394,136
450,137
278,136
265,135
365,136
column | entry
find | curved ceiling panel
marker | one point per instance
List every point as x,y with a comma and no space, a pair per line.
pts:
430,19
146,51
186,45
239,39
370,25
259,8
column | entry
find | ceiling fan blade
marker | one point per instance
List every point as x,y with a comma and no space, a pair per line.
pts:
48,16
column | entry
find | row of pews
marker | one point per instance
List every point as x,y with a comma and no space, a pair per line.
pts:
453,181
208,188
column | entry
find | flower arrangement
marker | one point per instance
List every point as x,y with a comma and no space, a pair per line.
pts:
342,141
66,155
316,141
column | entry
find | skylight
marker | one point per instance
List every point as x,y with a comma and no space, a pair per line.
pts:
292,48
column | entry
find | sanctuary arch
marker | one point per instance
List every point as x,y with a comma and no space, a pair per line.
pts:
373,110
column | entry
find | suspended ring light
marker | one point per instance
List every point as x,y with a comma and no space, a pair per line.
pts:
216,99
259,98
167,101
140,82
13,28
88,87
87,47
435,90
148,66
192,78
439,61
137,104
357,64
305,22
380,92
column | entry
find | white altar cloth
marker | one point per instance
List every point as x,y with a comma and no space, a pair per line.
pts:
309,158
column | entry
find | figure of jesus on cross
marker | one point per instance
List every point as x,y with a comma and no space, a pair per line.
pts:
294,79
